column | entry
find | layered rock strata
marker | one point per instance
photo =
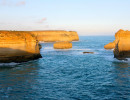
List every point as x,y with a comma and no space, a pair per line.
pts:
18,46
122,44
53,36
110,45
62,45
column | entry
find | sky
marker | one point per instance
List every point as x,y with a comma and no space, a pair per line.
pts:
87,17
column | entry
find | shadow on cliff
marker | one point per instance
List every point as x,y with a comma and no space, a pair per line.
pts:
8,55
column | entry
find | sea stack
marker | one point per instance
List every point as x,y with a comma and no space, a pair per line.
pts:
54,36
122,44
62,45
18,46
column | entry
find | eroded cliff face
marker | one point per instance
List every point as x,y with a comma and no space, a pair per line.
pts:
62,45
18,46
122,44
53,36
110,45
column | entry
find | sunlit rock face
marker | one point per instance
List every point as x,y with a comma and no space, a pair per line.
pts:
110,45
74,35
122,44
53,36
18,46
62,45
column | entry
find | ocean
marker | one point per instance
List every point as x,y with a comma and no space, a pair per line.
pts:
68,74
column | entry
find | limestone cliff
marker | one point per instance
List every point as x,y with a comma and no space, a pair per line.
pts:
53,36
62,45
18,46
122,44
110,45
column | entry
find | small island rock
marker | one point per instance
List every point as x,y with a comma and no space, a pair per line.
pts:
62,45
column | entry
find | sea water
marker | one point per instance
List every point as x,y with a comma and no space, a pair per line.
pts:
68,74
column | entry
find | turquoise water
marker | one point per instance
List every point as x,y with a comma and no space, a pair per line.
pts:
68,74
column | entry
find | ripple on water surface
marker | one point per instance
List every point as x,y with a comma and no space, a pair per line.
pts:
68,74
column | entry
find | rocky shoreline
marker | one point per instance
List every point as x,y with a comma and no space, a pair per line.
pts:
22,46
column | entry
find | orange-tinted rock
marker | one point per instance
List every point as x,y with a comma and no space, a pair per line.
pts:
18,46
74,35
122,48
110,45
62,45
53,36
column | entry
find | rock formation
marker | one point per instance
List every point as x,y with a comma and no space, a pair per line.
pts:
122,44
18,46
110,45
62,45
53,36
88,52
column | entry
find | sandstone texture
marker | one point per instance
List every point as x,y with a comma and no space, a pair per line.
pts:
53,36
62,45
18,46
110,45
122,44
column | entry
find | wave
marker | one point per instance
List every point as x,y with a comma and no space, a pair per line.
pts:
51,48
8,64
81,49
41,42
48,48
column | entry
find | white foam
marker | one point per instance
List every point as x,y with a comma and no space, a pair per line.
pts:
41,42
128,59
81,49
48,48
8,64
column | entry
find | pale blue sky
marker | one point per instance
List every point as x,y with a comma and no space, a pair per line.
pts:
87,17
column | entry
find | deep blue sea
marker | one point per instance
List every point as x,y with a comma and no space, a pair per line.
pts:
68,74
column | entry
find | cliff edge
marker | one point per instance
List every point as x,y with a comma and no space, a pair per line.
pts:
18,46
53,36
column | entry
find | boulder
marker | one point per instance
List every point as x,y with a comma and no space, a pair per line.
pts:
62,45
18,46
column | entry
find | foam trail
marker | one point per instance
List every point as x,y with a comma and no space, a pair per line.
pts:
80,49
8,64
48,48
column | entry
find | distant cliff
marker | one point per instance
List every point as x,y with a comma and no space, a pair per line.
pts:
53,36
18,46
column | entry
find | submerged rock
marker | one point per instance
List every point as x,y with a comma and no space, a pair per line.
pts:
62,45
88,52
53,36
122,47
18,46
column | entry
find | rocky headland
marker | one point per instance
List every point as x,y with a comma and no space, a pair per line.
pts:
21,46
121,45
18,46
